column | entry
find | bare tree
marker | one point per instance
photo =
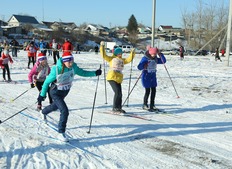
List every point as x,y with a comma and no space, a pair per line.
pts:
204,23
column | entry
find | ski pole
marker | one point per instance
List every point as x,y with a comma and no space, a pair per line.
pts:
93,104
169,77
132,89
20,95
129,82
13,115
105,81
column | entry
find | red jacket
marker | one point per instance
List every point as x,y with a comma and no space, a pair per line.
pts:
31,51
67,47
6,58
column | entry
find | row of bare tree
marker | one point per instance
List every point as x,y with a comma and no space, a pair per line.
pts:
207,24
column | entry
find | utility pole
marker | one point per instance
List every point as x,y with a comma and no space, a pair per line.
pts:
228,35
153,24
43,8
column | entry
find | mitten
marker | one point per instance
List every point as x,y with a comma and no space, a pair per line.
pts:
98,72
40,98
102,43
32,85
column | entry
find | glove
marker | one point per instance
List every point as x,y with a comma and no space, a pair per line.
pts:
32,85
102,43
98,72
40,98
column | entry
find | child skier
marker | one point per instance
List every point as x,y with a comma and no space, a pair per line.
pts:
60,79
115,75
6,58
148,66
38,74
32,49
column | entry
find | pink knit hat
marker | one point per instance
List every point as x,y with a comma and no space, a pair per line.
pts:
67,57
41,57
153,51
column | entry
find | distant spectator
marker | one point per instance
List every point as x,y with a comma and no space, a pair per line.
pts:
217,57
181,52
67,47
96,48
223,52
78,49
32,49
14,45
6,58
55,49
49,48
43,46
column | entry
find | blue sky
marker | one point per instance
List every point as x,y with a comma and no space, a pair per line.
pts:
106,12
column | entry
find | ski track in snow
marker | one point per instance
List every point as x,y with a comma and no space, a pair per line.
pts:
195,133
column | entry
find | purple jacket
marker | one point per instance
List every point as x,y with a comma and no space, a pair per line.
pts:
38,73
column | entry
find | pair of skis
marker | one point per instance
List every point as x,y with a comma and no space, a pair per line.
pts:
134,115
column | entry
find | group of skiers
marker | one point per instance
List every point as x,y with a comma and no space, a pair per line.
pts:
148,65
43,47
56,82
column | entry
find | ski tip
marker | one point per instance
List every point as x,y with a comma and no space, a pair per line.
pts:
0,121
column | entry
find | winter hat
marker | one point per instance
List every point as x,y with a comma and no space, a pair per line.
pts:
41,57
117,51
67,57
153,51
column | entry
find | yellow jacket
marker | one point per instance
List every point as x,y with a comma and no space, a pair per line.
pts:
112,74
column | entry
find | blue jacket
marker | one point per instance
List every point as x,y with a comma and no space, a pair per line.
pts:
148,67
53,74
42,45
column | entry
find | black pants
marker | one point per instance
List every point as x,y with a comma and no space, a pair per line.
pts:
6,69
39,87
55,55
117,88
151,90
31,59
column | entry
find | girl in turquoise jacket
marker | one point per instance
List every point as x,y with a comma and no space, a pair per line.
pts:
60,81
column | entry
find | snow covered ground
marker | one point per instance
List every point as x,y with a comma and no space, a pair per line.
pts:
196,132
